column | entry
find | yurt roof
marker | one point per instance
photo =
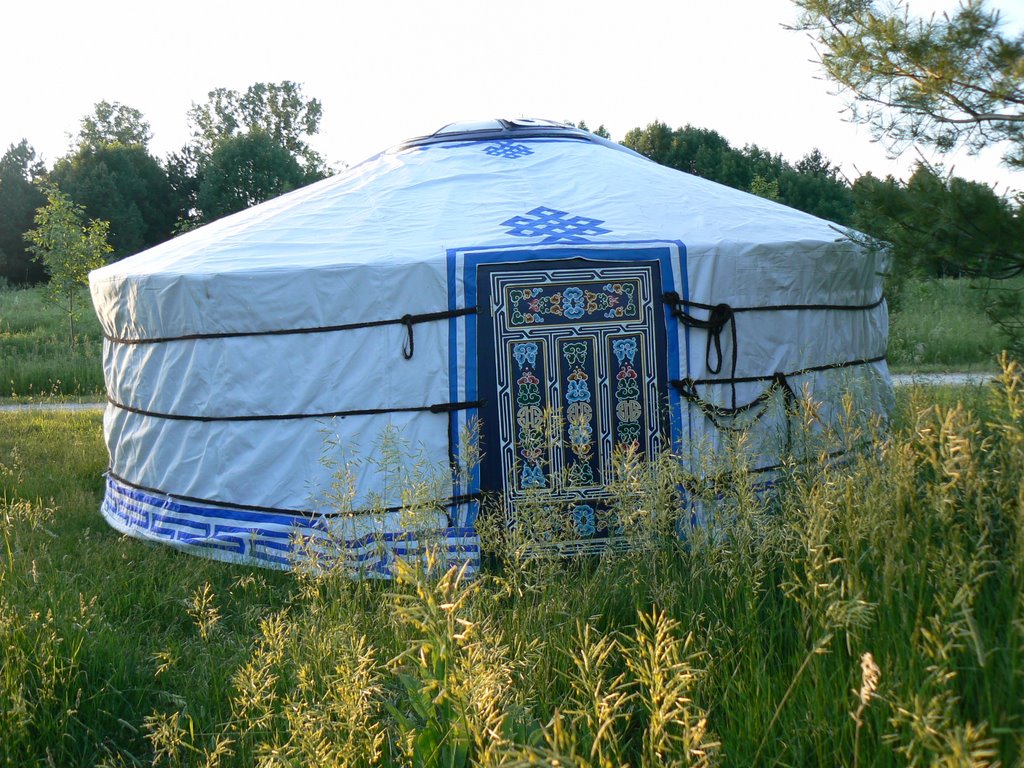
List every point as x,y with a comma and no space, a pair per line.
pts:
475,185
446,190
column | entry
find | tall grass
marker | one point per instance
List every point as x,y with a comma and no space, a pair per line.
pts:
942,325
744,644
36,359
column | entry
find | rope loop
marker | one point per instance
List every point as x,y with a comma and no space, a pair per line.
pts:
409,345
718,317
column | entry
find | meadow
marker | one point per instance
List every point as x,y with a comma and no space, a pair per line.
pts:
869,613
36,358
941,325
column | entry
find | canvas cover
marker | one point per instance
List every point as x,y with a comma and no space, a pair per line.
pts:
297,367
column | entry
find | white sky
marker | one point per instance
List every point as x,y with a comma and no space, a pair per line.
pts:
387,70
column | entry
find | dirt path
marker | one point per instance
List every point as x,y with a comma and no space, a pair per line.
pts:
52,407
948,379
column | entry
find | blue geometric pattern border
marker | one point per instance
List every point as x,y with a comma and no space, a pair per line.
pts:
277,540
555,226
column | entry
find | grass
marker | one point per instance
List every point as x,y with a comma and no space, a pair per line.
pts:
941,325
743,645
36,360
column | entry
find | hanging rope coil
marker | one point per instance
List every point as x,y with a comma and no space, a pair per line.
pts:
719,316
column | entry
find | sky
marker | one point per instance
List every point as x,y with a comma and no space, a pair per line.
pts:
388,70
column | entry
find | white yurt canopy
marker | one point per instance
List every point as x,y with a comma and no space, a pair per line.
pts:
488,276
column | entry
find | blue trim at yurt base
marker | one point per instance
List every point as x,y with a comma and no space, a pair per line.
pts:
463,383
267,539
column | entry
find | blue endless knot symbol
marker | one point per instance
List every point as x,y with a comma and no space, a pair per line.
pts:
508,149
555,226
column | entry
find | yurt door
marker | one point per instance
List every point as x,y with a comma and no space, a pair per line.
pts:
571,364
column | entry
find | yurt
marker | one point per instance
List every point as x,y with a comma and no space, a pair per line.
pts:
281,376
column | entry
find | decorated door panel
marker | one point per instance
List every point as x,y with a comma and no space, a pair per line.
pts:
571,364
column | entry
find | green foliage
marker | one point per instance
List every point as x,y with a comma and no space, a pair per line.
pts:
279,110
69,248
815,185
19,199
812,185
943,225
245,170
941,324
762,187
113,123
34,358
121,184
699,151
944,82
599,131
932,225
246,148
183,178
745,645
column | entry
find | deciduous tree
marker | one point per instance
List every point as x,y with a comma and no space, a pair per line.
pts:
246,148
123,185
245,170
69,247
279,110
813,185
112,174
113,123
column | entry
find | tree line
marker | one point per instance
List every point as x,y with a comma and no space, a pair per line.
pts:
245,148
250,147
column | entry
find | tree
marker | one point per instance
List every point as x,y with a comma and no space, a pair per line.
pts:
813,185
946,82
938,225
182,170
113,123
113,175
955,80
69,248
699,151
19,199
279,110
600,131
123,185
264,131
762,187
245,170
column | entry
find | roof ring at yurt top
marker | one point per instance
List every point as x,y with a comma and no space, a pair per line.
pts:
501,129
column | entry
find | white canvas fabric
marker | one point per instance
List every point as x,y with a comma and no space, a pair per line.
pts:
250,361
